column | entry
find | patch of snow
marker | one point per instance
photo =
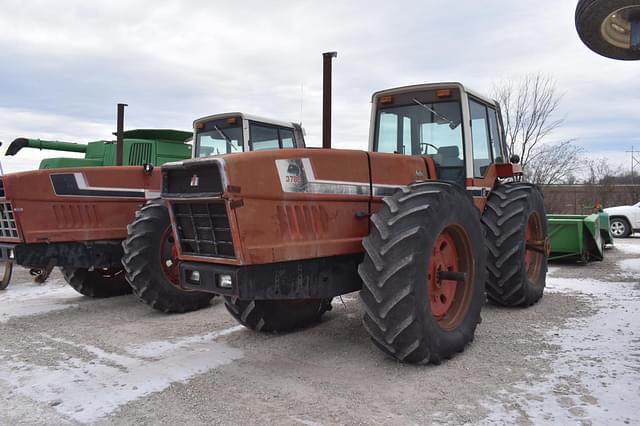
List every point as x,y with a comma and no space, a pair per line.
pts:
551,270
33,299
159,348
87,390
626,246
585,286
596,373
630,265
305,422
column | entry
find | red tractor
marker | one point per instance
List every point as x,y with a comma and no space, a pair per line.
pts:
150,255
76,217
422,223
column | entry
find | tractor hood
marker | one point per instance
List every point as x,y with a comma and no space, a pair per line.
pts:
292,174
283,204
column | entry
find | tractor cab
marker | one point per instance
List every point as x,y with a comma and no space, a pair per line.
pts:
458,129
236,132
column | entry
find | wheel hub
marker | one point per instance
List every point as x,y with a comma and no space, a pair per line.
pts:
169,258
617,229
449,277
621,28
444,257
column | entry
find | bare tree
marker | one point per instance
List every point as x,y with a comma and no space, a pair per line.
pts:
554,163
601,172
529,106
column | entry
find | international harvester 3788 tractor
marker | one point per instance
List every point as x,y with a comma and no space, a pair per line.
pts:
421,223
73,214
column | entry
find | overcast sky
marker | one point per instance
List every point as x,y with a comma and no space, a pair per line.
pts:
65,64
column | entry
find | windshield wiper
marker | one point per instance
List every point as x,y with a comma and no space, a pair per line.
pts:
452,124
226,138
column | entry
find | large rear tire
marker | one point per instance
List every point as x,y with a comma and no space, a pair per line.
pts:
98,282
151,264
604,27
423,273
276,315
515,225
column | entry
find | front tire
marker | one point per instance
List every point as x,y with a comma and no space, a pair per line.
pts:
97,283
620,227
423,273
515,225
151,265
276,315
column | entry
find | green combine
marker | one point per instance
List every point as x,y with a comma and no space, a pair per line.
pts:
579,238
140,146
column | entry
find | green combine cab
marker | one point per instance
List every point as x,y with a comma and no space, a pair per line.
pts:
140,146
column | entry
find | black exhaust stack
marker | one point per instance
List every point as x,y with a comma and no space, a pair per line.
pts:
120,135
326,98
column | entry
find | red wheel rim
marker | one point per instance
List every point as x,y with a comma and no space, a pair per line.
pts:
450,298
169,258
535,247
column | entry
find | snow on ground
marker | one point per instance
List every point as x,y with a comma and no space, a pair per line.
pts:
596,374
627,245
85,382
97,384
630,265
34,299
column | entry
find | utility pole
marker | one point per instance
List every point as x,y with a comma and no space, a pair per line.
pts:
634,160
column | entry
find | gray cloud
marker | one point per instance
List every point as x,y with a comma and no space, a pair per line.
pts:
66,64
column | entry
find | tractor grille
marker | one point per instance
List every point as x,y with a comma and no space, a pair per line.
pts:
8,228
203,229
140,154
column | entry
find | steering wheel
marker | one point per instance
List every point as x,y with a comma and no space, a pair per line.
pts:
427,144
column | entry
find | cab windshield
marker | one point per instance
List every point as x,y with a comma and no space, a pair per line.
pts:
424,129
218,137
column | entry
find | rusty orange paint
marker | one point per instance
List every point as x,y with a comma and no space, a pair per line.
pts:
43,216
270,224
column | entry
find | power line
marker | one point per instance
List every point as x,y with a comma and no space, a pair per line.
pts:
635,160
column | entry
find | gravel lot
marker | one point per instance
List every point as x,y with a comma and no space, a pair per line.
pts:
572,358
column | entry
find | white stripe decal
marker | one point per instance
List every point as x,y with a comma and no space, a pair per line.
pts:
82,184
75,185
296,175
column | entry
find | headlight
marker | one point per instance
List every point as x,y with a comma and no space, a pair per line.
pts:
224,281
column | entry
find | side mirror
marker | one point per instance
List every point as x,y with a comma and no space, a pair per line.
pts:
515,159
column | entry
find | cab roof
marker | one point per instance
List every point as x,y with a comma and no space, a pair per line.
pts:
431,86
245,116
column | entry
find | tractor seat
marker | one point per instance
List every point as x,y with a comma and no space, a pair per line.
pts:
448,164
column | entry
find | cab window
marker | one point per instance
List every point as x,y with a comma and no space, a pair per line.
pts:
218,141
482,155
432,129
494,134
263,137
286,135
